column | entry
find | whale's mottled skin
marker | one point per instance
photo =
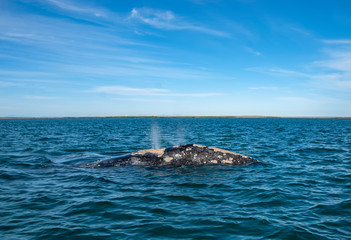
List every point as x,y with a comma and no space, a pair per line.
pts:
190,154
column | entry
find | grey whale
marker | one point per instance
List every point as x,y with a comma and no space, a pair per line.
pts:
189,154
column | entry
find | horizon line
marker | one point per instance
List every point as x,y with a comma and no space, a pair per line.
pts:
214,116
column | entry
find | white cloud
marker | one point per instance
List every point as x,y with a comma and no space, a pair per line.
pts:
152,100
128,91
281,72
343,85
9,84
19,35
144,70
41,97
201,2
333,72
69,6
169,21
337,68
337,41
252,51
295,99
156,18
23,73
300,30
264,88
339,60
318,100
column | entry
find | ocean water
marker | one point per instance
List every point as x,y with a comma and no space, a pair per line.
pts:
300,190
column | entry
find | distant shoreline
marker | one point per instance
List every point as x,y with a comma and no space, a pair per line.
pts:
292,117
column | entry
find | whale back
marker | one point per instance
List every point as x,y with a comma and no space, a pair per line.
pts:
189,154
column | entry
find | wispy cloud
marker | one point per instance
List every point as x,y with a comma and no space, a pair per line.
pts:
253,51
276,71
9,84
320,100
152,100
70,6
321,79
333,72
264,88
167,20
201,2
300,30
23,73
282,26
44,31
41,97
19,35
179,73
295,99
128,91
337,66
337,41
339,60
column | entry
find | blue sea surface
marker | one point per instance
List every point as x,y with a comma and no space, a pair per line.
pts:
300,190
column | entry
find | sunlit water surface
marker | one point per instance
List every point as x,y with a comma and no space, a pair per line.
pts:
300,190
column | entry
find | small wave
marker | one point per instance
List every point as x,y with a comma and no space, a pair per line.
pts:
299,190
320,150
14,175
342,208
75,158
90,207
45,139
192,185
74,150
267,204
162,212
182,198
88,179
294,232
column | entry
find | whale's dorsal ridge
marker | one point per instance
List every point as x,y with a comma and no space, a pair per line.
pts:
158,152
187,154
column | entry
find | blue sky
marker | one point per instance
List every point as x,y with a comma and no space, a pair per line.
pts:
181,57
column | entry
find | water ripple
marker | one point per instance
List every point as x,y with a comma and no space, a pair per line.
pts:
300,190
